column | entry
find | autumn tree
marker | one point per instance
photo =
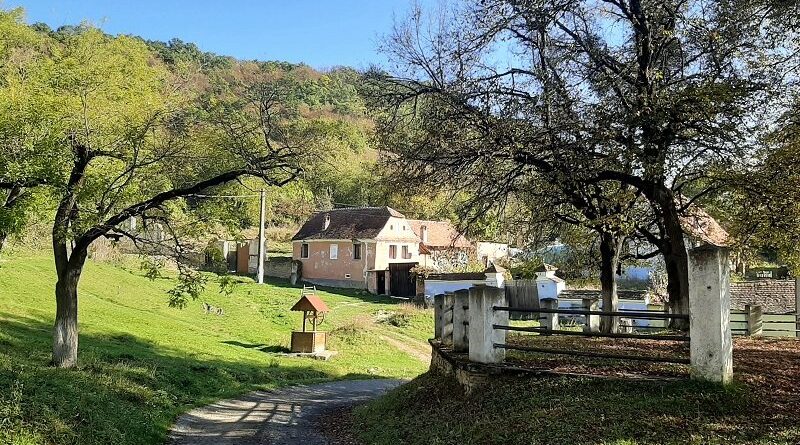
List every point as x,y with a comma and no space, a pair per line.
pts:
643,94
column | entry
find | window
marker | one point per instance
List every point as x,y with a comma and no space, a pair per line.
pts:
356,251
406,253
392,251
304,250
334,251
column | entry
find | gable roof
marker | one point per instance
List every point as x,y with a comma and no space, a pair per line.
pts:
347,223
697,223
311,303
440,234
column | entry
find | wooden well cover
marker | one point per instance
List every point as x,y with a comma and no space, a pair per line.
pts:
310,302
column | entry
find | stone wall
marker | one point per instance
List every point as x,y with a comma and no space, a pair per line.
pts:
279,267
771,295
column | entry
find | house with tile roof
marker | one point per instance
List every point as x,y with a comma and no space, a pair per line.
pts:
442,247
371,248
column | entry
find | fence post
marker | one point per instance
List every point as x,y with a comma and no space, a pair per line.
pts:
460,320
592,321
711,346
447,319
797,307
438,316
550,321
482,318
755,320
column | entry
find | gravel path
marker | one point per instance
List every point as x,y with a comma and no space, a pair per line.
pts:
288,416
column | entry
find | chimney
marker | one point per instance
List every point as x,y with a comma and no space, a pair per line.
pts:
327,221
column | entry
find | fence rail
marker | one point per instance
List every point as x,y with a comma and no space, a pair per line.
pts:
645,358
627,314
591,334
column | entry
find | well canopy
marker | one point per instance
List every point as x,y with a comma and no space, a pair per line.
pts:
310,303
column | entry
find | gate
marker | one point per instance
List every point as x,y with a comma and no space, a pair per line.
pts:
522,294
401,282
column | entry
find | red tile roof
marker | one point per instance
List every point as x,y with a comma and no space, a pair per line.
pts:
310,302
441,234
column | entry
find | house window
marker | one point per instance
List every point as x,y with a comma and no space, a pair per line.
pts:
356,251
334,251
304,250
406,253
392,251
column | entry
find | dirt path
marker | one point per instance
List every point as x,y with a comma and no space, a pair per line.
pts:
413,347
289,416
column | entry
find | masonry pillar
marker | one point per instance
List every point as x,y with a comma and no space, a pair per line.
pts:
592,321
549,320
447,319
438,316
482,336
711,346
755,320
461,320
797,306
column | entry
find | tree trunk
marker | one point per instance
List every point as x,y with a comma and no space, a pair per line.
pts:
65,331
676,259
609,261
12,198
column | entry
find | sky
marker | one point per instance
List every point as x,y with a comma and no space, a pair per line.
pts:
320,33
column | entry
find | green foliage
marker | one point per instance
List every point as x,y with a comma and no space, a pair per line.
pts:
152,267
190,285
227,285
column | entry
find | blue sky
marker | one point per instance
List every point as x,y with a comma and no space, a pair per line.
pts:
321,33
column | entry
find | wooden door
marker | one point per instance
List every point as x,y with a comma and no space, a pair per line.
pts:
401,282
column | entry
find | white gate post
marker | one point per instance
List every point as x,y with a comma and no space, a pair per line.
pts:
711,346
549,320
797,307
482,335
460,318
438,316
447,319
755,320
592,321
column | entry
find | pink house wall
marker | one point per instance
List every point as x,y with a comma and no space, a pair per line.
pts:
320,266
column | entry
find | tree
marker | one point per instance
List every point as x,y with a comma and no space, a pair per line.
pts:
27,147
648,95
136,145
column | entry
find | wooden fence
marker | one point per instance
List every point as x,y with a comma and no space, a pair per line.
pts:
522,294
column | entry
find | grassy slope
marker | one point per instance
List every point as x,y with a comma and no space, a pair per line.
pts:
432,410
142,363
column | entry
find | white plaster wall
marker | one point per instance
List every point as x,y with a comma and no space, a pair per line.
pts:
549,289
436,287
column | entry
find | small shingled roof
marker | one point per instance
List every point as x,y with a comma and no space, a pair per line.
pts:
697,223
310,302
347,223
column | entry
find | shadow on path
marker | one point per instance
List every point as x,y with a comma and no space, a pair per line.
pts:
288,416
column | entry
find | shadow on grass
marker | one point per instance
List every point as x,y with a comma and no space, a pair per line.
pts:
274,349
564,410
126,390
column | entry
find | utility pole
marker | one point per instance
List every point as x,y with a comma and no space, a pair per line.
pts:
260,270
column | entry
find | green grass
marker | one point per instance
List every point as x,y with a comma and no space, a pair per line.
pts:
143,363
433,410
